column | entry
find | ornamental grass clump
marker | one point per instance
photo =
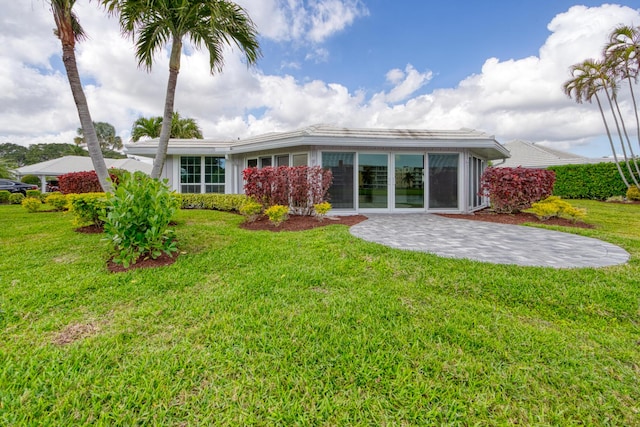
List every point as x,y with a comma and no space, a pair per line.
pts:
277,214
137,222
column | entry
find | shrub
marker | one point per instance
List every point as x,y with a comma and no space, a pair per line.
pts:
277,214
32,204
137,221
220,202
57,200
554,206
84,182
514,189
251,210
615,199
16,198
321,209
298,187
4,196
633,193
88,208
597,181
30,179
36,194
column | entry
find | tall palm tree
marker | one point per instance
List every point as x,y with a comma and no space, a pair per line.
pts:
183,128
588,78
622,53
211,24
69,31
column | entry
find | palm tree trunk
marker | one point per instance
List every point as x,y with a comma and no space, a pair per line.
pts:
165,133
635,109
631,158
89,132
615,120
613,148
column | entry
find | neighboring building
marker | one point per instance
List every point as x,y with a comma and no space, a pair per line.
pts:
68,164
531,155
374,170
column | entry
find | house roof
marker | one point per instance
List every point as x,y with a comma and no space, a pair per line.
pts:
531,155
326,135
68,164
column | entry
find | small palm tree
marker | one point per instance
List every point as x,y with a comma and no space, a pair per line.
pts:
211,24
69,31
183,128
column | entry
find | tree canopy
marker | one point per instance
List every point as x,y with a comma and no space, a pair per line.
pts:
106,134
182,128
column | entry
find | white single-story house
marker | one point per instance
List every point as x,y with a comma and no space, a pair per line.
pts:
374,170
532,155
69,164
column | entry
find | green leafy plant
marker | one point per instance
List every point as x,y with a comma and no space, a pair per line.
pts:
633,193
88,208
32,204
16,198
34,193
30,179
138,217
57,200
214,201
321,209
277,214
251,210
554,206
4,196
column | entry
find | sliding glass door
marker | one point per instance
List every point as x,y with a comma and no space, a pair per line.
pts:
372,181
409,177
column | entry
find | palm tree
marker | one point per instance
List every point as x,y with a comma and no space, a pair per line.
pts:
211,24
588,78
144,127
69,31
183,128
622,53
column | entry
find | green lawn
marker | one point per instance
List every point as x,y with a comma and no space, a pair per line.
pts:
311,328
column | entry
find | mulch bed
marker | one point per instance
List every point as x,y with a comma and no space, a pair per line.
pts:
300,222
161,261
517,219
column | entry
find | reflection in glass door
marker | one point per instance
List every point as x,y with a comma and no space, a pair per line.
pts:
409,174
372,180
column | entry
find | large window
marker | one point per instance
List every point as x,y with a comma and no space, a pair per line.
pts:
443,181
202,174
341,191
373,177
476,168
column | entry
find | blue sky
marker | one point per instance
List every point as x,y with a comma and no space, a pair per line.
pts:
496,66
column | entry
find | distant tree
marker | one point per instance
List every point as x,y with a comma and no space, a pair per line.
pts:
68,30
14,153
106,134
6,168
183,128
211,24
37,153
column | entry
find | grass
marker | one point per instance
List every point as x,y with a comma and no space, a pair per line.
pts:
311,328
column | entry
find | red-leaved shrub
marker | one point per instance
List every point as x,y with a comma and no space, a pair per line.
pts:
299,187
82,182
511,190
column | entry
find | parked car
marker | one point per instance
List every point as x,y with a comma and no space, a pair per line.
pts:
16,186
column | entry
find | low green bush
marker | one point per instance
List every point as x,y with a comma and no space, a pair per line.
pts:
215,201
32,204
36,194
251,210
277,214
16,198
4,196
554,206
138,217
57,200
30,179
633,193
88,208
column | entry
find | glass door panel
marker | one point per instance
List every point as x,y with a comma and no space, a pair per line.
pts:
443,181
372,180
409,174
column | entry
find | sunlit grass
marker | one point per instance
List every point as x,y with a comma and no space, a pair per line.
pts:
311,328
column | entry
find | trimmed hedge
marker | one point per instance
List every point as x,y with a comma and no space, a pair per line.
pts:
4,196
214,201
88,208
597,181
